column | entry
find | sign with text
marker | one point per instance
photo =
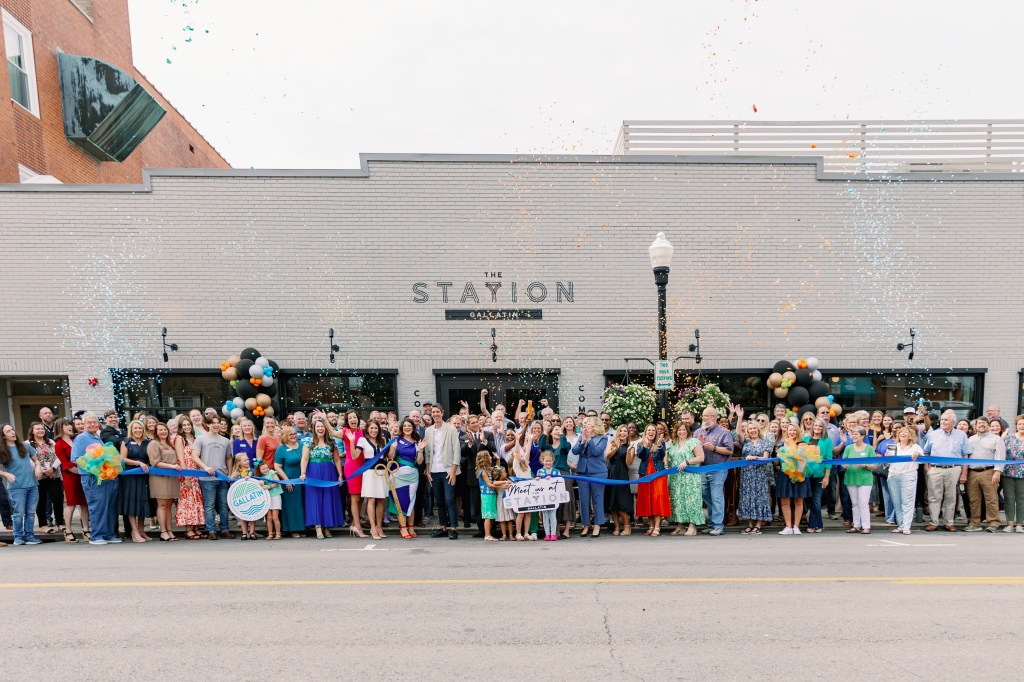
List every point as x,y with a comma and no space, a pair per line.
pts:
248,500
664,376
495,314
537,494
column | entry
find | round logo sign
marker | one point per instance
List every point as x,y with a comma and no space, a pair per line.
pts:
248,500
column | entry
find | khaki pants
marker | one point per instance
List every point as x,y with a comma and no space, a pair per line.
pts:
980,483
942,485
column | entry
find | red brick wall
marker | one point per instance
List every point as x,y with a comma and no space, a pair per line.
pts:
39,143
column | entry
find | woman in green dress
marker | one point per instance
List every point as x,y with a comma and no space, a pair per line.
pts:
288,464
684,488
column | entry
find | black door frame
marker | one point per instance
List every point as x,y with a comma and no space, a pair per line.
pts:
535,377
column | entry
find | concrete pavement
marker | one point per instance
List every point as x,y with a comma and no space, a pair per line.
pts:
941,606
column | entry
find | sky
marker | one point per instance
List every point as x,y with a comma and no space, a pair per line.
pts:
313,83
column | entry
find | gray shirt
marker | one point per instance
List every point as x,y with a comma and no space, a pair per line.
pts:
213,450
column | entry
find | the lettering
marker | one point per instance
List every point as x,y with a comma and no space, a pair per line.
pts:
467,291
534,286
420,289
444,290
514,292
493,286
560,290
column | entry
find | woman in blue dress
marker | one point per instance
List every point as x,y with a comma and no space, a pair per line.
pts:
755,492
407,450
321,461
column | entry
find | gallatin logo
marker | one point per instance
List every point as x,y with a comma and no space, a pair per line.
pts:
248,500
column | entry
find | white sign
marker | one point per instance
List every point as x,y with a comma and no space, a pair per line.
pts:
248,500
537,494
664,376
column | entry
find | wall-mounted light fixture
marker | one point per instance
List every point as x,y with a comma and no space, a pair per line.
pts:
173,347
334,348
904,346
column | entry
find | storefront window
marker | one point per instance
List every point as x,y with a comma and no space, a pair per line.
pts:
892,392
358,391
744,388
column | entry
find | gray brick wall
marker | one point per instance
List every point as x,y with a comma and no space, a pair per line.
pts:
770,262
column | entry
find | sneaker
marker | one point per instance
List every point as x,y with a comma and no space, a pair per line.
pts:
1008,529
786,531
454,535
796,531
533,536
18,542
95,542
439,533
973,529
705,531
716,531
1020,528
992,529
114,540
834,516
33,540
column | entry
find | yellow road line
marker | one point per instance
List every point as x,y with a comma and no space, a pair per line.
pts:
901,580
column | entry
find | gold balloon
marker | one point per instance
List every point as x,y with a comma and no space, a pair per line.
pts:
250,404
791,376
781,392
268,412
263,400
774,379
230,374
837,409
821,402
234,360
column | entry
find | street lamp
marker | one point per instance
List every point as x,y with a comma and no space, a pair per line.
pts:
660,251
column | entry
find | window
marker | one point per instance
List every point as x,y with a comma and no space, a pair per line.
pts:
166,394
891,392
362,391
21,69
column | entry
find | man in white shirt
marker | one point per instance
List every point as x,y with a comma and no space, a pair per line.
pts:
945,441
443,454
983,479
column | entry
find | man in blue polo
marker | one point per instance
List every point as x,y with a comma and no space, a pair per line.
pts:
101,498
945,441
718,447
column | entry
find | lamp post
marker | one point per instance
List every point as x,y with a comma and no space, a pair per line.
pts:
660,251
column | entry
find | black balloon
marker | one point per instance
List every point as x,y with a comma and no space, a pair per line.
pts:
818,389
783,366
243,369
270,390
252,417
249,354
797,396
804,377
807,408
276,404
246,390
275,366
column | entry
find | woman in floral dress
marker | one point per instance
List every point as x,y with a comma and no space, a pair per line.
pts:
684,488
755,494
190,514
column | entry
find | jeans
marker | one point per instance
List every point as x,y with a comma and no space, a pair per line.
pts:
215,501
591,493
814,508
1013,500
5,506
50,490
860,497
23,506
902,491
712,489
101,498
550,522
444,495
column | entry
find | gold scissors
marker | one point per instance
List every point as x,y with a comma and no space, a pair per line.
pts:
388,471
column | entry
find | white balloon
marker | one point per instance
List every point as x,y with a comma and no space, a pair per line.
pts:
267,381
816,375
262,362
255,371
237,413
225,411
813,364
238,402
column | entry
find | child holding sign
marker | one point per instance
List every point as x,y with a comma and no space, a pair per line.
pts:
488,492
547,460
520,464
240,469
274,490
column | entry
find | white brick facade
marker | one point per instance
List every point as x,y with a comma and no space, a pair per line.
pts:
771,261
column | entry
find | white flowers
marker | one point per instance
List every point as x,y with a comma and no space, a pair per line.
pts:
629,403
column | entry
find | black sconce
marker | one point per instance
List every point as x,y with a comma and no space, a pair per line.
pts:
693,348
904,346
173,347
494,347
333,346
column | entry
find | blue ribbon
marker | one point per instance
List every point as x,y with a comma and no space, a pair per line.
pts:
197,473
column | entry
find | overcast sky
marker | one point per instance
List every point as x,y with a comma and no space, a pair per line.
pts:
312,83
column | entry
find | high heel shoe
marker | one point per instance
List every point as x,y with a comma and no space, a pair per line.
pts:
357,531
596,532
404,532
319,533
585,531
327,533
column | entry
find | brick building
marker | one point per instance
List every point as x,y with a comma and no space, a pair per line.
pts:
403,258
33,109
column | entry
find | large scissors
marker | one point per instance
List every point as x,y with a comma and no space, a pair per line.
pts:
388,470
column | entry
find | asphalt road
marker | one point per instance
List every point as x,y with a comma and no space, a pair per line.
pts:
935,606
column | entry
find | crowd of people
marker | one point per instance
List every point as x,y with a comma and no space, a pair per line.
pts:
462,464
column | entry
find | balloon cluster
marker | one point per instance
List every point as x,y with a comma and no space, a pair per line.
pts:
102,461
254,380
799,383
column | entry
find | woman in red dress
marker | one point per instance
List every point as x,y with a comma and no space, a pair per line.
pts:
652,498
191,513
74,496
